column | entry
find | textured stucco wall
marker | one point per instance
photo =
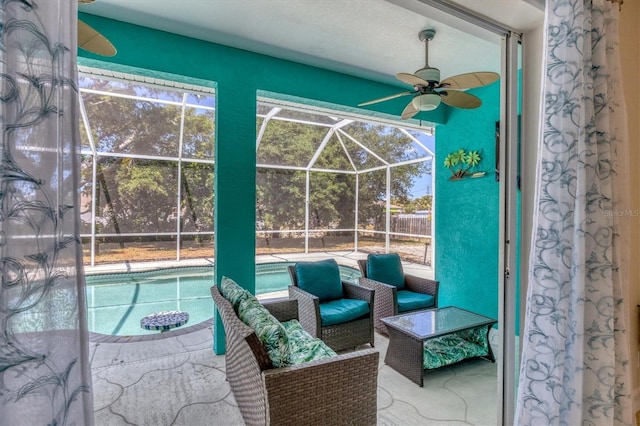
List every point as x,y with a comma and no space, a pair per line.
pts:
466,211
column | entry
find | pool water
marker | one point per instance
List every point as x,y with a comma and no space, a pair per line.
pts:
117,302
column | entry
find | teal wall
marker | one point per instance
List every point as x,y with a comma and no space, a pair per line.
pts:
466,211
237,76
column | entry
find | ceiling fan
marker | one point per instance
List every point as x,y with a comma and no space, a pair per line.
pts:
429,91
91,40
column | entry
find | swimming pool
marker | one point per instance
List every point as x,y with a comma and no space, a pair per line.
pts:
116,302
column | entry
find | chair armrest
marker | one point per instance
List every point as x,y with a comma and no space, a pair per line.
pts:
354,291
308,310
422,285
337,390
283,310
386,297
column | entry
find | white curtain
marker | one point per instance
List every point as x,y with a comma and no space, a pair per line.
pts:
44,363
575,361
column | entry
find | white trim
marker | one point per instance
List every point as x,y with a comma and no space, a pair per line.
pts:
263,126
147,81
508,364
316,109
469,16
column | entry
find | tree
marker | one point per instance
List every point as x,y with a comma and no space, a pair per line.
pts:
422,203
141,195
281,193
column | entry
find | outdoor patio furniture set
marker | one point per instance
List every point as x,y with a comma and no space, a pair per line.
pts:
327,388
282,358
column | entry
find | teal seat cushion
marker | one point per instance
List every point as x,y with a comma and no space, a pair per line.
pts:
303,347
342,310
386,268
233,292
322,279
268,329
410,301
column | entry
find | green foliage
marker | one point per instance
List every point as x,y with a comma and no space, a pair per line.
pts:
461,161
422,203
281,193
141,195
136,195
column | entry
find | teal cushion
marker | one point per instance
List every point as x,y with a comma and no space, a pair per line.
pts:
342,310
233,292
268,329
410,301
386,268
322,279
304,347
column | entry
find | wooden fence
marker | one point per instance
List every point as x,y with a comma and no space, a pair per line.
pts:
417,225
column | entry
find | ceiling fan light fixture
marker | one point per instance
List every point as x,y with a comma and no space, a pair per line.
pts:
426,102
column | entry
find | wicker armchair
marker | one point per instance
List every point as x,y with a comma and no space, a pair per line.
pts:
341,390
386,301
337,336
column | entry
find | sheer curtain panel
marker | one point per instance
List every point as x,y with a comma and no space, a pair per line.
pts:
44,364
575,361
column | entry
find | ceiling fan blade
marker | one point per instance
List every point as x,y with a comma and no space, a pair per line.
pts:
91,40
411,79
386,98
409,111
458,99
85,1
469,80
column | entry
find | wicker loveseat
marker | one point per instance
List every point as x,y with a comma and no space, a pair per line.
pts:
341,389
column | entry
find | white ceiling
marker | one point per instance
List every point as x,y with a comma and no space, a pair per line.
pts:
370,38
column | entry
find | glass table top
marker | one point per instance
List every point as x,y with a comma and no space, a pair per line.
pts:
437,322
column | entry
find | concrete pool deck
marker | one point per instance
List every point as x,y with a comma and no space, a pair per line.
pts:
347,258
179,380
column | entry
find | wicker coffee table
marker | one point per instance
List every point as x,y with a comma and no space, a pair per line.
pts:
433,338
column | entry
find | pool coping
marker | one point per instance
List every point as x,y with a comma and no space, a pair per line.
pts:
107,338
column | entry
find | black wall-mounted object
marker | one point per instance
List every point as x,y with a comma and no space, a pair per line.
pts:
497,151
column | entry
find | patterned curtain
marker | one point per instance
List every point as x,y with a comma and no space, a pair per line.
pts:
44,363
575,361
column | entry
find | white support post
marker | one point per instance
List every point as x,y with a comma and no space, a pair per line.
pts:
94,176
179,192
355,227
306,213
388,213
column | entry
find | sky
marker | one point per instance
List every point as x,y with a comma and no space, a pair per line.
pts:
424,184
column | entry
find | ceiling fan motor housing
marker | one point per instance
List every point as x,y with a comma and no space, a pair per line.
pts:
432,75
